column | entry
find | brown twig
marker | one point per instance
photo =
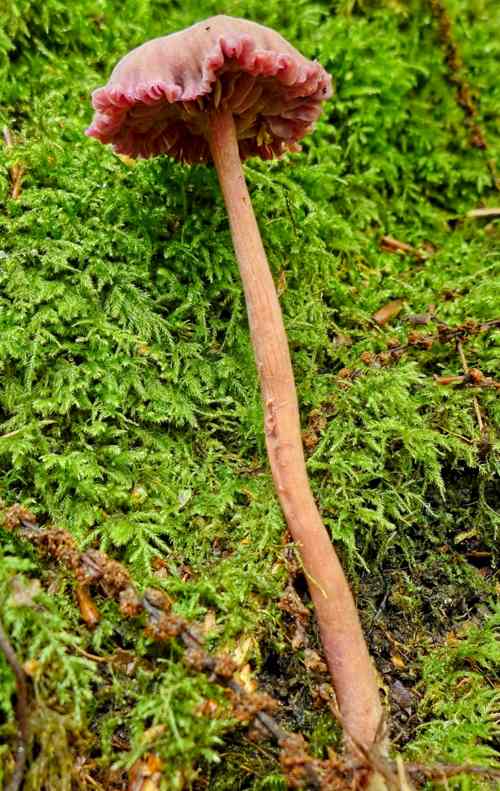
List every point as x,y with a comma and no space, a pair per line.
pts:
10,433
104,660
474,378
451,770
22,713
425,341
391,245
17,170
486,212
475,402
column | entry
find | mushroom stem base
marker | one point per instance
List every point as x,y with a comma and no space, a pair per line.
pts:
345,649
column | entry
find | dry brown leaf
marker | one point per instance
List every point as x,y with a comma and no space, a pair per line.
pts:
31,667
145,774
88,610
314,662
388,312
398,661
208,708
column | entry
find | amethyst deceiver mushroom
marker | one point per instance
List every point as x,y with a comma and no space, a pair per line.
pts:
221,91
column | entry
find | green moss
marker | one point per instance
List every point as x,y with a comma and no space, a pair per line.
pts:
129,407
460,705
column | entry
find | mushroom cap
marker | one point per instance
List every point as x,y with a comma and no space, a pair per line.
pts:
159,96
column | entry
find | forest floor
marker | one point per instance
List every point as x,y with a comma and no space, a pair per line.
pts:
130,413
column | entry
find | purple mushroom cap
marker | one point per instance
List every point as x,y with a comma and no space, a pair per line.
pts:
159,96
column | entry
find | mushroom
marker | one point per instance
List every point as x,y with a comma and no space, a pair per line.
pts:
223,90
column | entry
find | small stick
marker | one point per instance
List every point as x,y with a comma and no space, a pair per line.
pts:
11,433
451,770
464,362
391,245
468,380
7,137
93,657
22,715
492,211
478,414
487,324
465,366
448,380
17,170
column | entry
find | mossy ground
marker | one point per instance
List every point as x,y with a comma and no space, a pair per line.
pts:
129,406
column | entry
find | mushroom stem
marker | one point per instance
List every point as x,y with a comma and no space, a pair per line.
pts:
345,648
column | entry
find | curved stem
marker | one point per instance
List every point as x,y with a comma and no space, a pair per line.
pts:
343,642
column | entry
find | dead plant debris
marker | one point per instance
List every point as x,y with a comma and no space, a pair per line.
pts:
391,245
301,770
490,211
388,312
